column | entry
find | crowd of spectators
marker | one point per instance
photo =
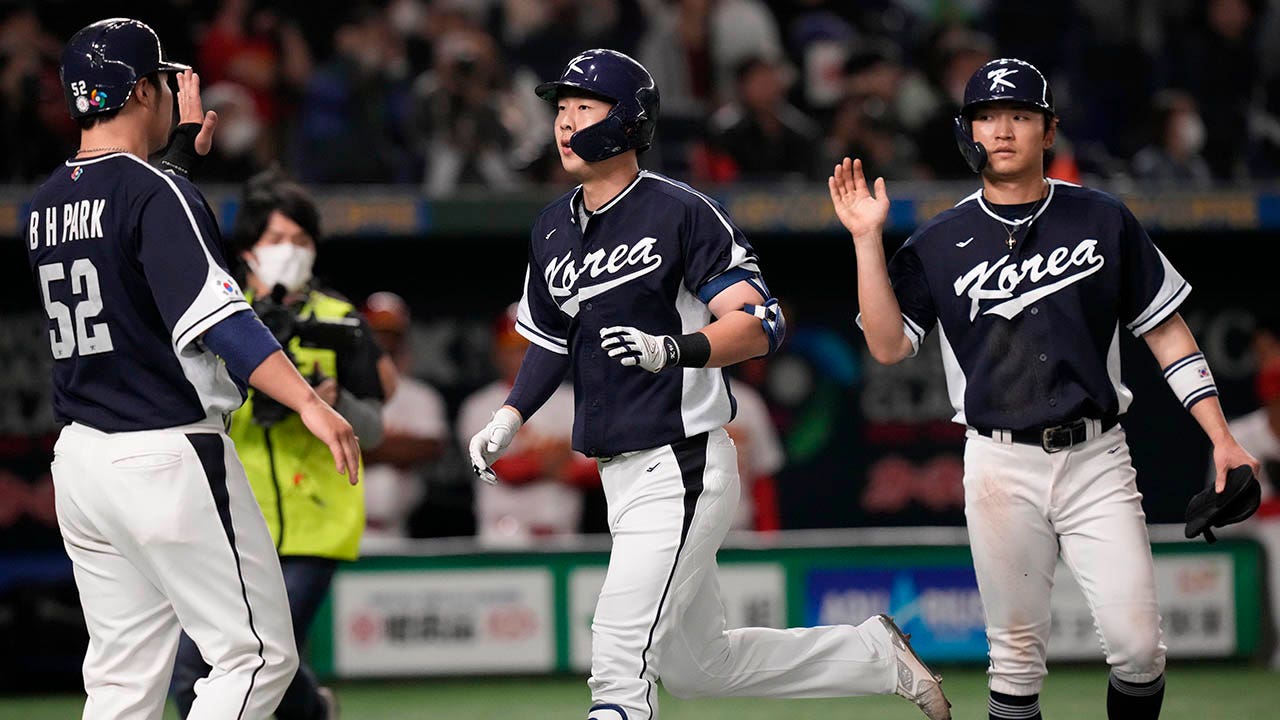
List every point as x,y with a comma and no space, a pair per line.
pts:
438,93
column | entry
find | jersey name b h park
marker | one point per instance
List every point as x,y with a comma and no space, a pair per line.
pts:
129,264
1030,335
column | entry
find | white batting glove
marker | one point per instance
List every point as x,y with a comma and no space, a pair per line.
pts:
489,444
632,347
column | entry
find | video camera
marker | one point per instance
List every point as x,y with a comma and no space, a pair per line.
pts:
341,336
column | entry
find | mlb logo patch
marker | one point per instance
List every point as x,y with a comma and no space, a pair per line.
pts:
75,174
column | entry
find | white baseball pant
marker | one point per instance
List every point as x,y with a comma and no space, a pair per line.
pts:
1023,506
659,614
164,533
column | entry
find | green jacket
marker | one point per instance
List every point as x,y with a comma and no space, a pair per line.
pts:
309,507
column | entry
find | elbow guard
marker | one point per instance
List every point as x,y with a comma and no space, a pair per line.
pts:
771,318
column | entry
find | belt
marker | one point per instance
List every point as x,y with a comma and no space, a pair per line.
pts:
1056,437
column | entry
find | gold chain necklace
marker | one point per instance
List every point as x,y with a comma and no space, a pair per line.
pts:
101,149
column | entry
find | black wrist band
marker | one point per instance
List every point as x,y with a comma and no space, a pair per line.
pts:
181,156
691,351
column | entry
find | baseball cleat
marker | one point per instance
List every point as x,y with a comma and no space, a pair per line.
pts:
916,682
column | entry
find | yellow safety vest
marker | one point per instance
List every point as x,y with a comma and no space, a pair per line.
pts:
310,508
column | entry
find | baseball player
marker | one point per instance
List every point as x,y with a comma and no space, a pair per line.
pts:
152,345
1030,282
644,289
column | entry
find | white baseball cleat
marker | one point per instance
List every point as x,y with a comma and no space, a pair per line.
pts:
916,682
330,703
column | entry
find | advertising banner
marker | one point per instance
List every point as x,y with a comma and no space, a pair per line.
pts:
941,609
443,622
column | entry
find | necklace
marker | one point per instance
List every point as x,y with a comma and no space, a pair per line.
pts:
101,149
1012,227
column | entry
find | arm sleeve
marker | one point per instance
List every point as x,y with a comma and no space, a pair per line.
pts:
242,341
1151,289
911,288
716,253
358,365
541,372
539,318
180,250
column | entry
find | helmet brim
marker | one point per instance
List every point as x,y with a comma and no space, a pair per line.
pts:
1017,101
166,66
551,91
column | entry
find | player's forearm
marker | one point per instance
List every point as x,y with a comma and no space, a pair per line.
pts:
881,315
277,377
1171,342
735,337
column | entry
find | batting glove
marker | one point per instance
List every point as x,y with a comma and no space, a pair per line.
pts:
632,347
489,444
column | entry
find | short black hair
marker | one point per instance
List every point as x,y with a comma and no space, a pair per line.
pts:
89,121
267,192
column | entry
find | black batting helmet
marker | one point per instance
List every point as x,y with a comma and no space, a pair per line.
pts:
1004,80
102,62
616,77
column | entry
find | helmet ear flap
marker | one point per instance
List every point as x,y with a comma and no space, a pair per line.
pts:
975,155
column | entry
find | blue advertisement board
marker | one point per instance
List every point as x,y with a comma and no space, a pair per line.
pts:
938,606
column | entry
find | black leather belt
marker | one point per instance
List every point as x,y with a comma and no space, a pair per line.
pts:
1052,439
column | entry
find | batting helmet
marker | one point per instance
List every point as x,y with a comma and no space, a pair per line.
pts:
995,82
102,63
610,75
1238,501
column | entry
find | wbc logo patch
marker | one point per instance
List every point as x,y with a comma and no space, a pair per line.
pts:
75,174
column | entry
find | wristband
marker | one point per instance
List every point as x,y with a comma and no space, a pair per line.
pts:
691,351
181,158
1191,380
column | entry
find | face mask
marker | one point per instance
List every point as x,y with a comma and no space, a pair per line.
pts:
1190,132
237,137
283,264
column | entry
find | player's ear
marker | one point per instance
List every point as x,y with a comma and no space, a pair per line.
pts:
1050,131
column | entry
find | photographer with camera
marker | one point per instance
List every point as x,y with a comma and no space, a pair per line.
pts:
315,516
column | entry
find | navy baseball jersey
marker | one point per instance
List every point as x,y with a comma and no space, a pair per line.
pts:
1031,334
129,264
652,258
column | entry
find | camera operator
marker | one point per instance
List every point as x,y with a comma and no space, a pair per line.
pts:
315,516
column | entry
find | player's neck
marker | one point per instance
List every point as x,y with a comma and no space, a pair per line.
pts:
605,179
1014,191
109,137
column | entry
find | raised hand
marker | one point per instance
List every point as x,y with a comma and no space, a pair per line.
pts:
861,212
191,110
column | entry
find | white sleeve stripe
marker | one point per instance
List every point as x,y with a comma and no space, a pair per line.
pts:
913,326
181,199
209,320
540,341
1161,313
545,336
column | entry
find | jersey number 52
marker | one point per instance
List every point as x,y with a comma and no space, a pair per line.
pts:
63,340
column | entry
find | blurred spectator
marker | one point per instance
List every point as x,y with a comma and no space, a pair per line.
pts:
760,136
760,456
256,49
955,54
540,479
1259,433
544,34
241,146
1173,158
1216,57
352,114
742,31
456,123
861,129
415,429
36,129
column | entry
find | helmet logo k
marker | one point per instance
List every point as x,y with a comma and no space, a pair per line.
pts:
997,78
